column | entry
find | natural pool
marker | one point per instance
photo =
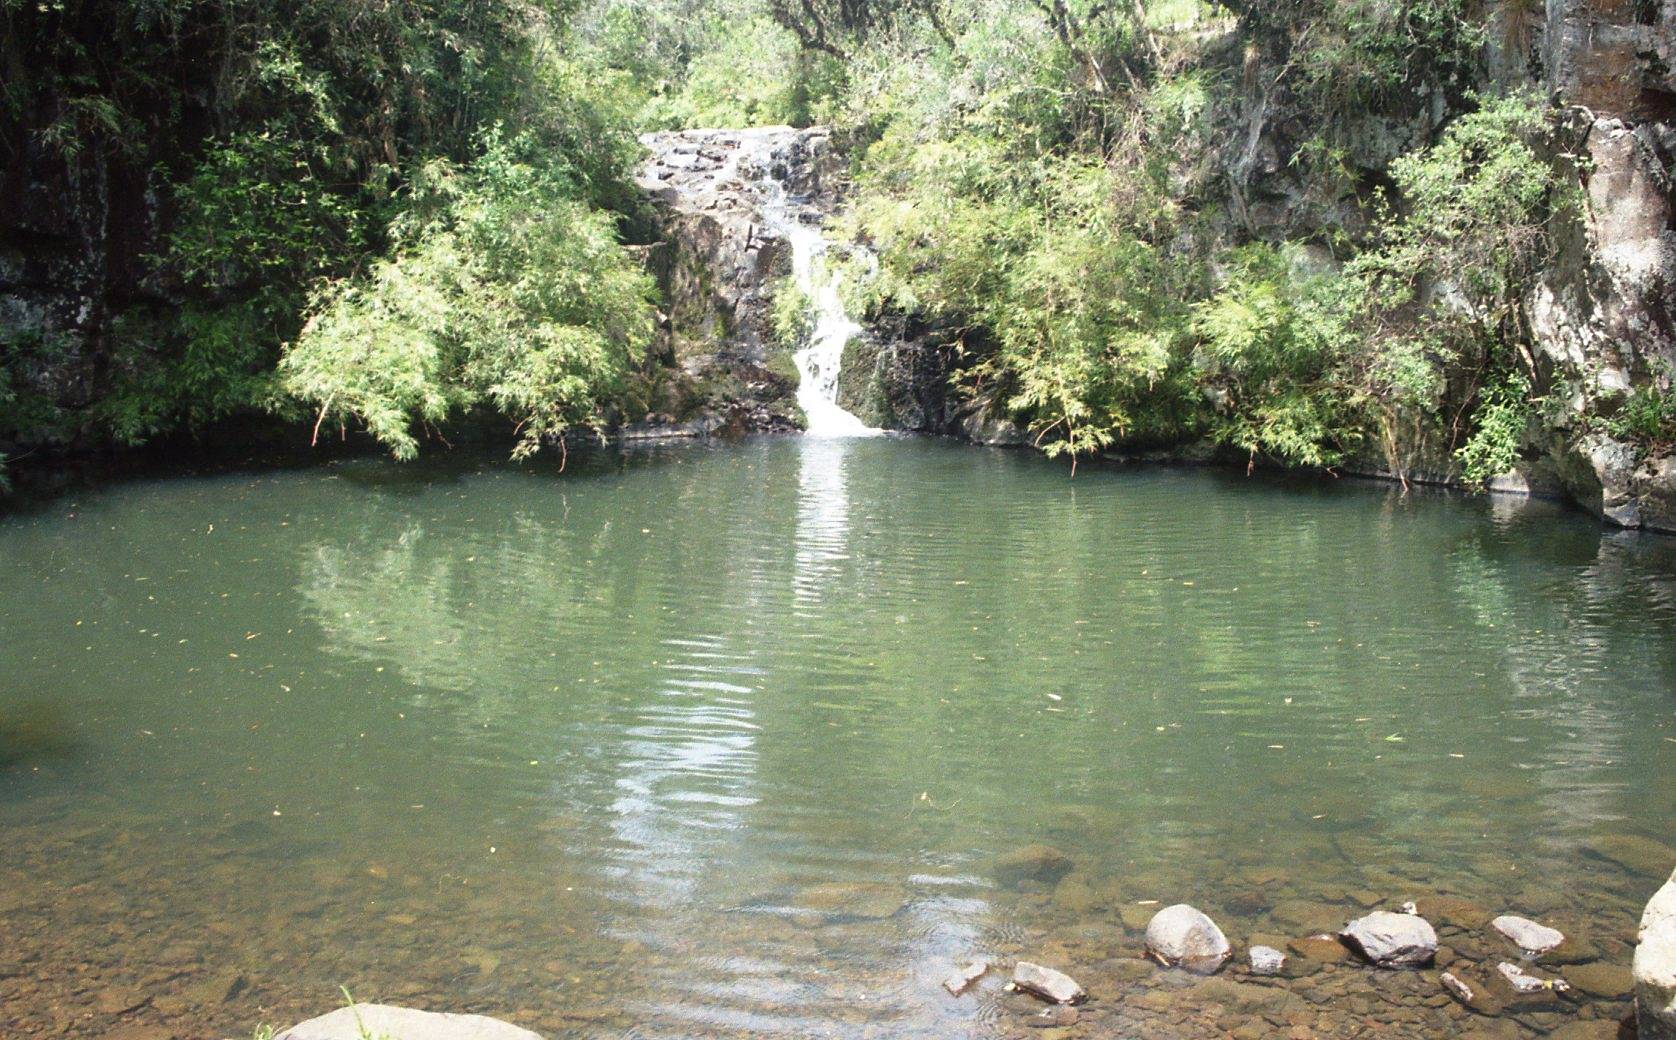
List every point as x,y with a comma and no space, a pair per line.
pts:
724,740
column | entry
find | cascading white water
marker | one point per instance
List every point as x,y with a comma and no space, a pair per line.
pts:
830,330
727,174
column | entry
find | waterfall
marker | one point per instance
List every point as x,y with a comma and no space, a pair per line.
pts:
830,330
754,189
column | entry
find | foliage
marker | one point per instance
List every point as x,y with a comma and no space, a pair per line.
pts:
1504,413
1647,416
792,320
1271,347
279,143
504,290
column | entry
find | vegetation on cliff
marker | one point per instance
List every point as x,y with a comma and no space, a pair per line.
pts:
391,216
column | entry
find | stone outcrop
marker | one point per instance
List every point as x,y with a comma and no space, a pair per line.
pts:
359,1021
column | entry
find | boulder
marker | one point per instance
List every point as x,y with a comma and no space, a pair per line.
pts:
1531,938
1662,907
1050,985
1266,960
1181,937
1655,981
1040,863
1388,940
359,1021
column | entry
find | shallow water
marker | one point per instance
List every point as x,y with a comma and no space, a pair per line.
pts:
724,740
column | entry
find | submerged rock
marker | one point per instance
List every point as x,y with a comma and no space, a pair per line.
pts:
1530,937
1040,863
852,900
1472,993
1047,983
1602,980
1325,949
1634,853
1388,940
359,1021
960,981
1266,960
1182,937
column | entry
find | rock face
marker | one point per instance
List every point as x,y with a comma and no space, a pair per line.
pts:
1655,967
1530,937
1181,937
383,1020
1055,986
1389,940
721,260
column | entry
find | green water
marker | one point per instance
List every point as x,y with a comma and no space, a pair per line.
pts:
705,741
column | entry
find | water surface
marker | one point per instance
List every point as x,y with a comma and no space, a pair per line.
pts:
725,740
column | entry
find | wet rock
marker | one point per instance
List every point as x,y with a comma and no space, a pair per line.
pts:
1595,1029
852,900
1040,863
1655,981
1182,937
1525,983
1634,853
1602,980
1531,938
1074,895
1388,940
1266,960
1241,998
117,1000
1576,949
1298,915
1323,949
361,1020
1454,911
1055,986
960,981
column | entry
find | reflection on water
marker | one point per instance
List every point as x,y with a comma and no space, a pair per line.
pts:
719,741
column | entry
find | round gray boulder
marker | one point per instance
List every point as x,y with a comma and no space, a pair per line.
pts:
1181,937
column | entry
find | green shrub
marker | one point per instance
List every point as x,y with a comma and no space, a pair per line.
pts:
504,291
1501,420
